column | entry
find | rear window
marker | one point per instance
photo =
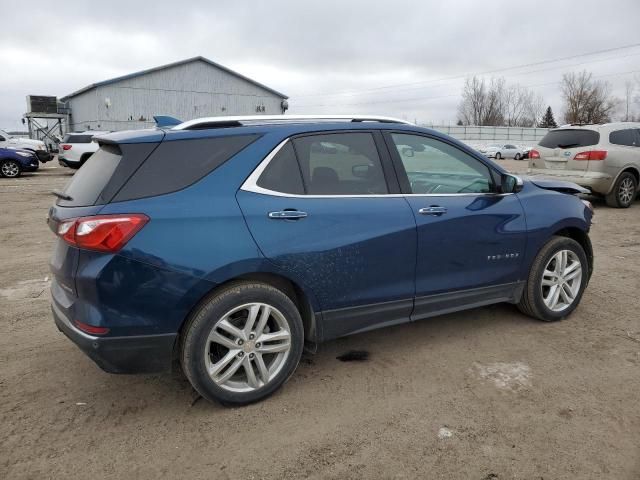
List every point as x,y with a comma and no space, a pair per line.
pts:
77,138
91,179
567,138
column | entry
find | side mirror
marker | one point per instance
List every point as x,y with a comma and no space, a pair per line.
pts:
360,171
510,184
407,151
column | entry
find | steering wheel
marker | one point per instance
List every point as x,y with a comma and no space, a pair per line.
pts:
467,188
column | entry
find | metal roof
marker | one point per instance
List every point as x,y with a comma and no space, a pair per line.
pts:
170,65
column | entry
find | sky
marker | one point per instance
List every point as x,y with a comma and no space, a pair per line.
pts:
405,59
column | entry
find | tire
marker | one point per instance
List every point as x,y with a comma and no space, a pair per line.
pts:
217,336
535,296
10,169
498,156
517,157
623,192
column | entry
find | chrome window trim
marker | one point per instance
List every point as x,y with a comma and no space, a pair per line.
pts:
251,185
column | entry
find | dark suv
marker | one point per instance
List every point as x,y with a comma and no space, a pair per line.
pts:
229,243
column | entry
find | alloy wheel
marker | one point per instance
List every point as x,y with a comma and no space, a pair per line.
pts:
626,191
247,347
10,169
561,280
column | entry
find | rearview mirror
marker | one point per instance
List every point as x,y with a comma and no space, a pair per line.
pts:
510,184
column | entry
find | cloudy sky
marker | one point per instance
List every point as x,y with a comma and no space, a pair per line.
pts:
401,58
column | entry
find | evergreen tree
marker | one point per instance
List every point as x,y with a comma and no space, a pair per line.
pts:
548,121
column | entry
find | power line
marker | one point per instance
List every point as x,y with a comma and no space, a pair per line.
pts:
454,77
401,100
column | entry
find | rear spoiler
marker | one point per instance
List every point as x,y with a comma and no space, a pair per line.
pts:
166,121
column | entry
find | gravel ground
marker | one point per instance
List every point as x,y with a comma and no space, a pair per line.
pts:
482,394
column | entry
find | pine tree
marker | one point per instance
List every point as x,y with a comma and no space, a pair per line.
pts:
548,121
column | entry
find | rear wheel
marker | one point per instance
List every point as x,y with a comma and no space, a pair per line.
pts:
557,280
10,169
624,191
242,343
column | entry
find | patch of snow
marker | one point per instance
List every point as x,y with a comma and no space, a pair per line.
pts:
444,432
505,376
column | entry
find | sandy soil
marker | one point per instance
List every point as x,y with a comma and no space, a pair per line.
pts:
484,394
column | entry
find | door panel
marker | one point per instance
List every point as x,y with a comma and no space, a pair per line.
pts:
348,251
478,242
469,237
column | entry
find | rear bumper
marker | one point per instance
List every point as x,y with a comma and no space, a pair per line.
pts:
132,354
597,182
64,162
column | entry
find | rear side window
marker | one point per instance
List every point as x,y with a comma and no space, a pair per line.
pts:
176,164
628,137
567,138
77,138
88,182
283,174
340,164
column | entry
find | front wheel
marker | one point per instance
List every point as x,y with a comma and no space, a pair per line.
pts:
556,282
10,169
242,343
498,156
624,191
517,157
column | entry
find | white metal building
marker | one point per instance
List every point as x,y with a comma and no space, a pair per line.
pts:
191,88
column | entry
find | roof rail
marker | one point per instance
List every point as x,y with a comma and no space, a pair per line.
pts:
221,122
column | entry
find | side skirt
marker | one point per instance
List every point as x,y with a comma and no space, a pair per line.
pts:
352,320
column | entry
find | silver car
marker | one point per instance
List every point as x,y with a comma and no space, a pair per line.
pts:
502,150
603,158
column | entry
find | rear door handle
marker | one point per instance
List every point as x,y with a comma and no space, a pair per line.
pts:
433,210
287,215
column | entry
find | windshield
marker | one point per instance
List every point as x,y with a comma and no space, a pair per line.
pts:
568,138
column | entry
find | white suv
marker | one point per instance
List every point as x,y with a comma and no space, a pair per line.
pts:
36,146
76,148
603,158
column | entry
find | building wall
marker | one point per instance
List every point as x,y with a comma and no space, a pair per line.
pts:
186,91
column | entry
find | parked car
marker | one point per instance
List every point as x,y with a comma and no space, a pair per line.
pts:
36,146
234,242
77,147
603,158
14,161
500,150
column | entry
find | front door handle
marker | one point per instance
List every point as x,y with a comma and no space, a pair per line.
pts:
434,210
287,215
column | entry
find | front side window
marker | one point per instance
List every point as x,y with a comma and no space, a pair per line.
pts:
340,164
435,167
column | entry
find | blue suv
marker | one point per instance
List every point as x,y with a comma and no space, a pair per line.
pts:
233,243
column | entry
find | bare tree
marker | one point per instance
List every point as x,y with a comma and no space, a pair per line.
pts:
586,100
496,103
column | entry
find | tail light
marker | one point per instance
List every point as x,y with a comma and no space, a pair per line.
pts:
591,155
103,233
534,154
66,146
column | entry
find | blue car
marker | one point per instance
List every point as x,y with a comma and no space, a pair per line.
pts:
15,161
231,244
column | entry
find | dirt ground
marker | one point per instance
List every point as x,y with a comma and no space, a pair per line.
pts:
483,394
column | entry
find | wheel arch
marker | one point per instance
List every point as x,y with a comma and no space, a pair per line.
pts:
628,168
301,299
583,239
